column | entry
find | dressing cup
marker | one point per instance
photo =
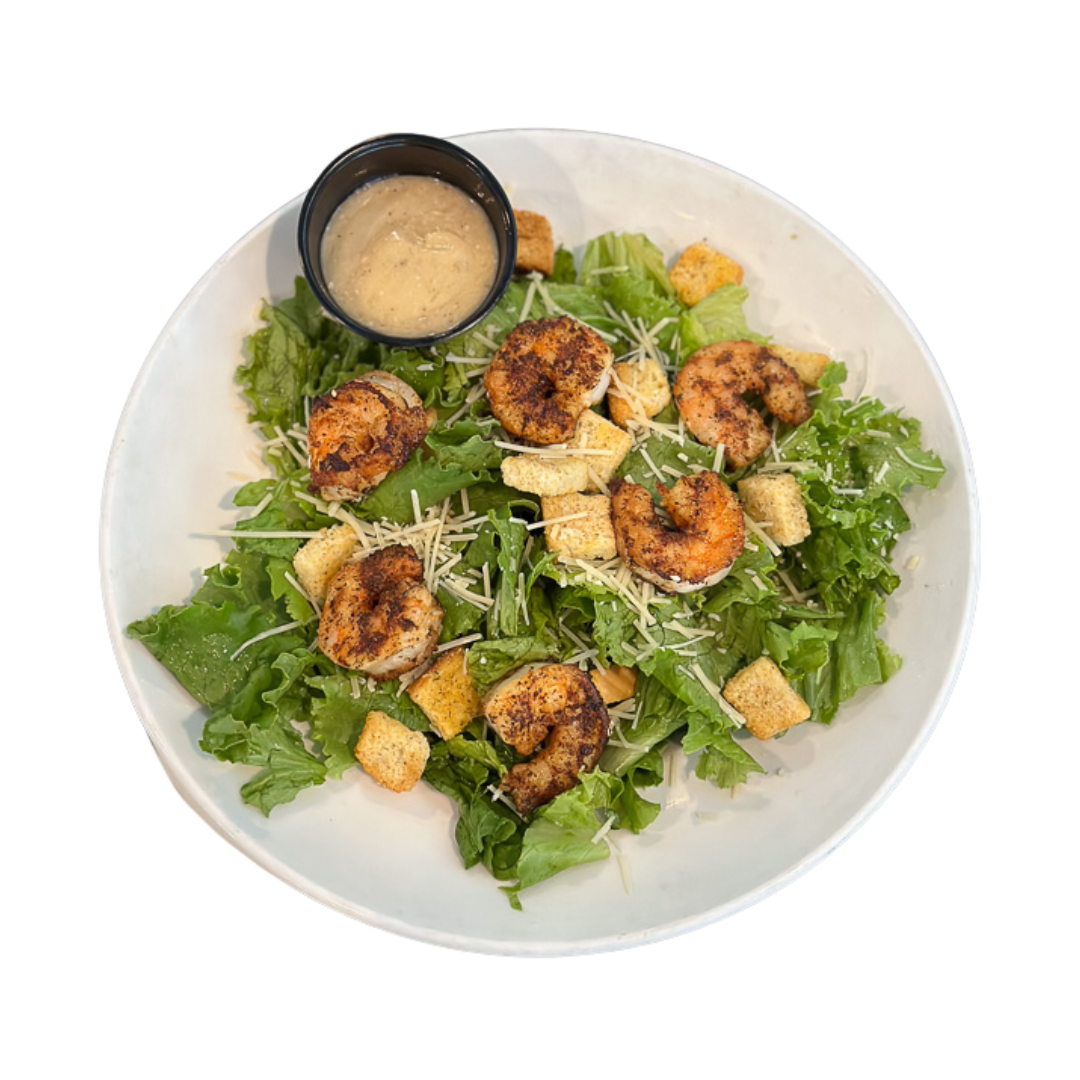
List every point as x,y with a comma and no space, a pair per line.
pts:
404,155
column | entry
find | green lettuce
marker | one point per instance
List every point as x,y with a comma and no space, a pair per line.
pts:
244,644
212,646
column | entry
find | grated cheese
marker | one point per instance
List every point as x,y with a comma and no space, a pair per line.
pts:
263,503
522,600
604,829
757,528
284,440
266,634
556,450
530,294
302,591
624,588
468,639
557,521
652,466
693,634
786,466
263,534
678,792
714,692
452,585
598,482
915,464
667,431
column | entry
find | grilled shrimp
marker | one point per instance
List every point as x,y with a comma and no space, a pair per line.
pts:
709,395
707,538
361,432
545,374
558,702
379,617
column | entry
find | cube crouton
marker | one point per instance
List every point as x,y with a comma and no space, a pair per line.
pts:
545,476
615,683
535,244
588,537
391,754
322,557
638,388
701,270
765,698
593,432
809,366
563,473
775,503
446,694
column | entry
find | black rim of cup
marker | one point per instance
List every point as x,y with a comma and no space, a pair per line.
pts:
404,155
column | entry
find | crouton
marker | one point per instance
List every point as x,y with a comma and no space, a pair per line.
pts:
638,388
322,557
391,754
765,698
562,475
775,503
809,366
615,683
535,244
593,432
446,694
545,476
701,270
589,537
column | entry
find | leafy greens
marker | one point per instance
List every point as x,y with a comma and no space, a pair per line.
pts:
244,644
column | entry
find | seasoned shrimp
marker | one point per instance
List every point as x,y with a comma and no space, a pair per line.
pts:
361,432
707,538
709,395
545,374
556,702
379,617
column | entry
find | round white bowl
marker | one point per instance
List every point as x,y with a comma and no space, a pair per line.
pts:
390,860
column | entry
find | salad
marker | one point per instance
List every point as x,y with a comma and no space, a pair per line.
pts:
247,645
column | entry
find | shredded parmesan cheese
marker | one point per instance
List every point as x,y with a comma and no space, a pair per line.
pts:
265,634
714,692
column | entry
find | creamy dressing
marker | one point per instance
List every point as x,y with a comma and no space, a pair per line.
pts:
409,256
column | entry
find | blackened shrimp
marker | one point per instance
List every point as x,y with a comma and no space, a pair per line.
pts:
545,374
379,617
361,432
556,702
709,395
707,537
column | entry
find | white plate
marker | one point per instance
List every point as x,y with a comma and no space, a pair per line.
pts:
183,447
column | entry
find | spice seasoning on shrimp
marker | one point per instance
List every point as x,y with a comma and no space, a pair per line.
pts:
545,374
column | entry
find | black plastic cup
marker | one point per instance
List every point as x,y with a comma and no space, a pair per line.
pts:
404,155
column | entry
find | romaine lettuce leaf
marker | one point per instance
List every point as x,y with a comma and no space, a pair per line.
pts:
563,832
719,317
449,460
298,353
339,708
278,705
249,685
487,831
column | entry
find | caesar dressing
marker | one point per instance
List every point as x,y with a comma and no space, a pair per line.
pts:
409,256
